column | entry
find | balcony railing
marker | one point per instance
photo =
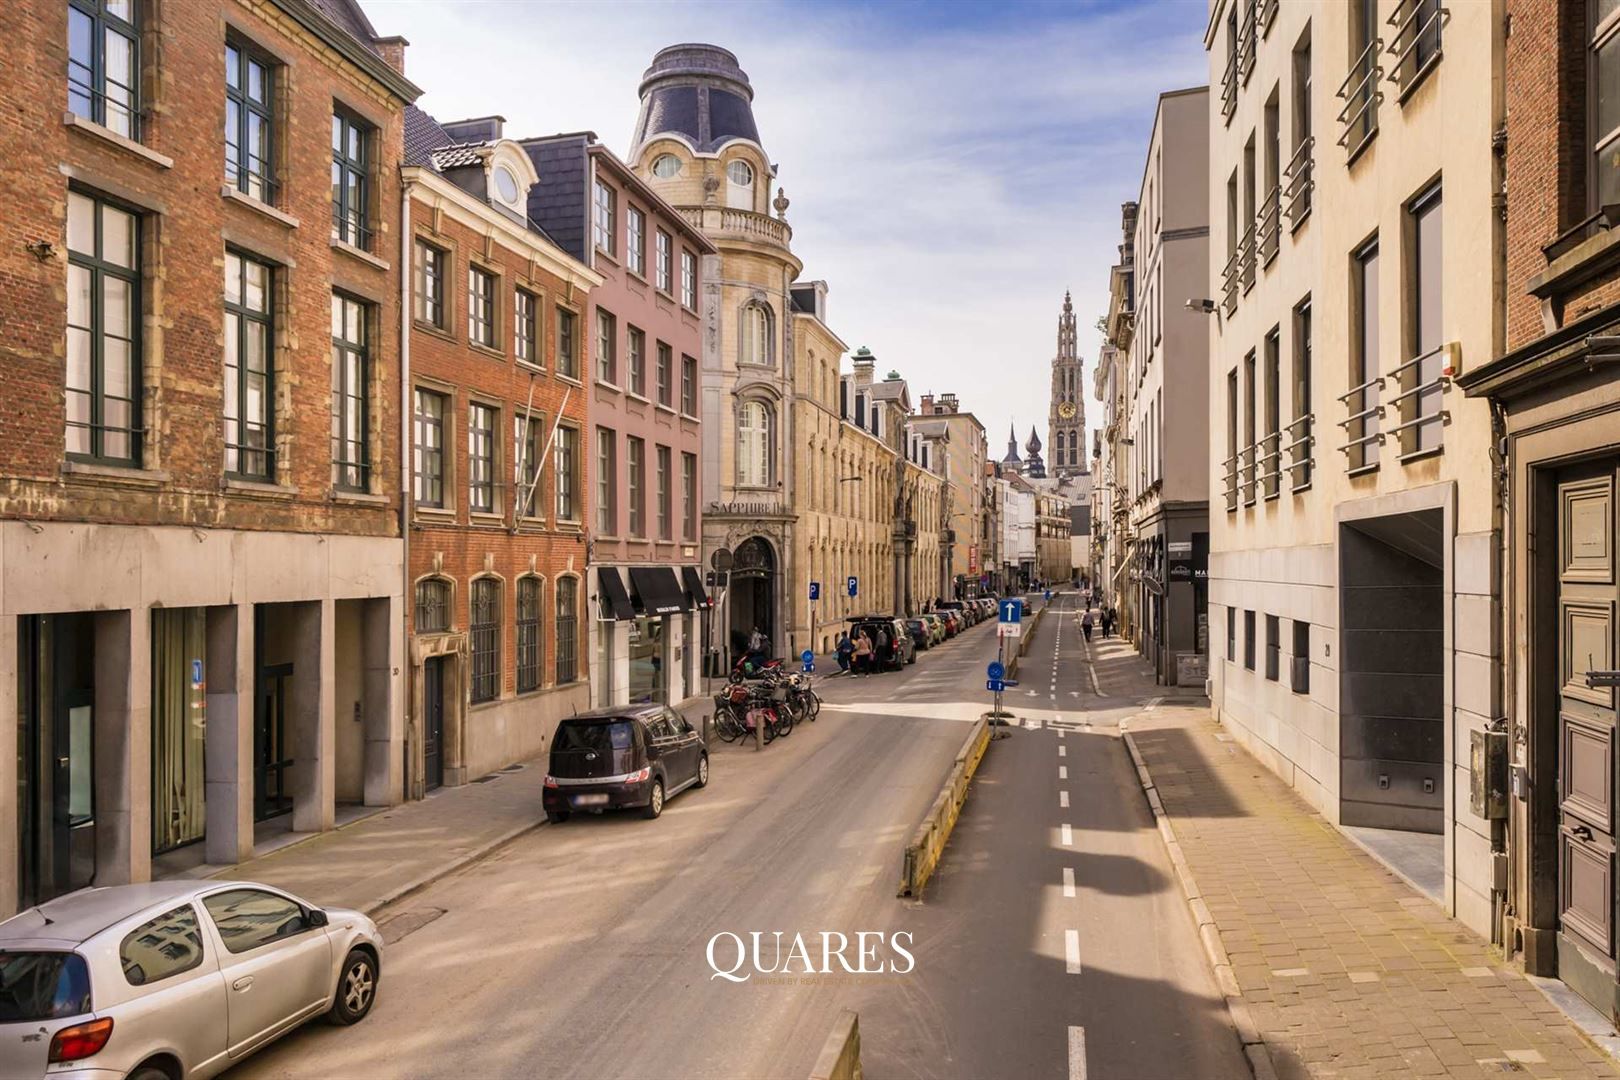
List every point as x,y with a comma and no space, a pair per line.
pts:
1230,470
1246,252
1300,450
1424,381
1270,464
1270,224
1229,282
1414,44
1301,182
1268,15
1249,461
1362,437
1229,88
744,223
1358,119
1248,42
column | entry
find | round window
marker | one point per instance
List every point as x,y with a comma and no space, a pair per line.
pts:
740,173
506,185
666,166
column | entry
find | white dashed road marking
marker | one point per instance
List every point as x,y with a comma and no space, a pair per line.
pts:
1071,951
1068,837
1063,772
1077,1053
1068,883
1063,751
1063,800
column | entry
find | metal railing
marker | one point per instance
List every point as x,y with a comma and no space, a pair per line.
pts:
1268,15
1300,450
1361,427
1249,464
1270,464
1301,182
1358,119
1418,403
1270,224
1229,87
1248,42
1229,282
1230,470
1246,251
1414,43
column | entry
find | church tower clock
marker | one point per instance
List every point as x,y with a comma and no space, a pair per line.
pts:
1067,421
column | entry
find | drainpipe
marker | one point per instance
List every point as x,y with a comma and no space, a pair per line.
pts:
409,782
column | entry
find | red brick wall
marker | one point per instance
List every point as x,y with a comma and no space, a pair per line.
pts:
186,225
455,543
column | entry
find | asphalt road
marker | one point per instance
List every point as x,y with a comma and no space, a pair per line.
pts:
580,949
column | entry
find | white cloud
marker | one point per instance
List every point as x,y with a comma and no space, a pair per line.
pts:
949,178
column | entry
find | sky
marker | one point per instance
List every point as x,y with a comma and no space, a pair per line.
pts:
952,167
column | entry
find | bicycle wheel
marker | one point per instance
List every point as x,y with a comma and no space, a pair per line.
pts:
785,722
770,728
814,701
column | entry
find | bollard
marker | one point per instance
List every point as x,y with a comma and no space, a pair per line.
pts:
759,732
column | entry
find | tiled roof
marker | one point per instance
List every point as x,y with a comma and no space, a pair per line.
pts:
452,157
423,135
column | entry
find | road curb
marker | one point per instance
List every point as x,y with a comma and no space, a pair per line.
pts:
446,869
1209,935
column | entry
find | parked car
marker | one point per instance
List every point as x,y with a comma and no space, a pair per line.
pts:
152,982
936,627
953,623
891,640
921,634
629,756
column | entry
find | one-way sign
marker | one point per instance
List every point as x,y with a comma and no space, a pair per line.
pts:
1012,611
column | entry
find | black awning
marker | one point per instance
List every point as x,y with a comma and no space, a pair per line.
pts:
615,601
694,587
657,591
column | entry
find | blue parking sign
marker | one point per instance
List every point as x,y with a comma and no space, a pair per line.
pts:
854,584
815,590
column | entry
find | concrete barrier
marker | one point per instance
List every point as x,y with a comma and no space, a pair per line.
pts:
840,1057
928,841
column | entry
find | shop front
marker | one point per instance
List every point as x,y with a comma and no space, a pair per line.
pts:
646,634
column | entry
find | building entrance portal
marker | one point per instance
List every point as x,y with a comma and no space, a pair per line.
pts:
752,599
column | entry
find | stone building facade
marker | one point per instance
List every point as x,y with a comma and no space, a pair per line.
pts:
966,536
499,492
198,513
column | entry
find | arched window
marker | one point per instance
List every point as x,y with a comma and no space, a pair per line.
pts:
432,606
740,185
753,445
484,628
567,630
757,341
528,634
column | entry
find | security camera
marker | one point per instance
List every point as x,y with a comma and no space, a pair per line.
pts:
1205,305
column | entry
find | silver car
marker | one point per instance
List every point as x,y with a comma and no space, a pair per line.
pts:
173,980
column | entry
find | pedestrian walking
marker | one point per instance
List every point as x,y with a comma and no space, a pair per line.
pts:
1085,625
1108,621
846,650
863,654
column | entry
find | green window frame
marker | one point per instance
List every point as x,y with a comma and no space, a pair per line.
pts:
351,180
526,327
250,391
429,285
481,427
351,394
104,64
481,307
249,123
103,381
429,450
567,343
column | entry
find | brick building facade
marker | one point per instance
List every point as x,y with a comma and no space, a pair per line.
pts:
200,555
499,479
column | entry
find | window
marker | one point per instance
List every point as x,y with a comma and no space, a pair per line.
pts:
688,281
1301,673
567,466
430,285
1250,451
528,431
663,261
1298,173
1360,90
1272,470
1231,634
249,369
607,363
753,445
1421,388
506,187
104,70
665,375
480,307
480,459
567,343
636,459
351,181
567,630
1248,640
607,482
103,350
351,392
528,634
756,334
1273,647
604,211
1303,438
429,453
1362,400
247,124
484,628
666,524
432,606
526,327
161,947
740,173
739,185
665,166
689,497
1417,39
689,386
249,918
636,345
635,241
1603,97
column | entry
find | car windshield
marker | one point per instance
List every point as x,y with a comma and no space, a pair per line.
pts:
599,737
42,986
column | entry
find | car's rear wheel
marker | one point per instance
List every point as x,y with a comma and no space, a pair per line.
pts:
357,988
556,817
655,803
149,1072
703,771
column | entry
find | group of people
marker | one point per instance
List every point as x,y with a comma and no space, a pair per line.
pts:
1106,618
857,654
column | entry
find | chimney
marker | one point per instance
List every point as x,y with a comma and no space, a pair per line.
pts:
393,51
927,406
864,363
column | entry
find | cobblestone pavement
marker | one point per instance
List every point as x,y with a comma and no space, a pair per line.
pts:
1344,969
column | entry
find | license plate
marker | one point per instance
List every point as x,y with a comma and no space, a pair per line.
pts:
589,800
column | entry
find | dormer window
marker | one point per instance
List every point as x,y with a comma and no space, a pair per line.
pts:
665,166
506,185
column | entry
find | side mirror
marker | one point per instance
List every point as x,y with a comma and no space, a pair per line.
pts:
317,917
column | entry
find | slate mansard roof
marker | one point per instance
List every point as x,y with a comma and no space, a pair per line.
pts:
698,92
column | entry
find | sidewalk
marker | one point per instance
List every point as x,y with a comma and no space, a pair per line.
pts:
382,857
1342,969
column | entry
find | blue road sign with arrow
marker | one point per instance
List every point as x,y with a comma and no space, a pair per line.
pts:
1011,611
993,685
996,671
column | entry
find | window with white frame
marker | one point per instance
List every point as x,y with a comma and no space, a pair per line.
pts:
635,240
753,444
605,211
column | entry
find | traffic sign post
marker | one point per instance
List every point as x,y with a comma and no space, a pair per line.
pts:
815,590
853,584
808,659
